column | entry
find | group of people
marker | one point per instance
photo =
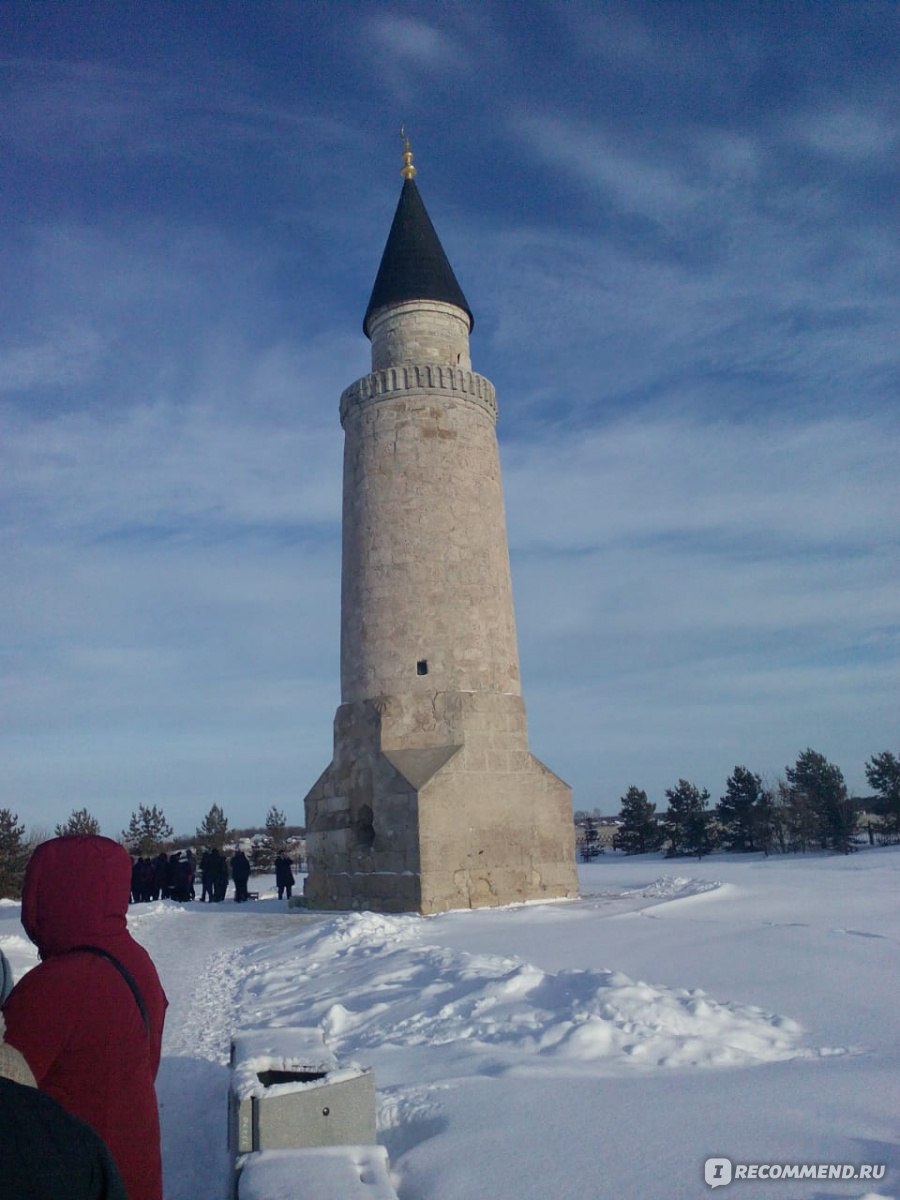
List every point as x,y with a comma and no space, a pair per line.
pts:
166,877
172,876
81,1036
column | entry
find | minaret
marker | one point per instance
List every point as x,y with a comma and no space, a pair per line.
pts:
432,800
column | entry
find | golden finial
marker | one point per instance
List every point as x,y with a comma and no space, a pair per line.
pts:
408,171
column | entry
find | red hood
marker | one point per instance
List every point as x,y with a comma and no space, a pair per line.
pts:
76,893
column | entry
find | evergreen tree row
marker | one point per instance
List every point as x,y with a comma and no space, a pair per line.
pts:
809,809
147,834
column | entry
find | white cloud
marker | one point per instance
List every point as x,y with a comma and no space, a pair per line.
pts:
411,58
411,40
849,132
707,277
77,111
187,473
791,484
636,182
63,358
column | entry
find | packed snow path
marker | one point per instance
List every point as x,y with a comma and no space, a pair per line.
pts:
199,951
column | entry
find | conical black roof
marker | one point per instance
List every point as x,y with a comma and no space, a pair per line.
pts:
414,265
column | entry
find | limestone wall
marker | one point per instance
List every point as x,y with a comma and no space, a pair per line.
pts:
426,597
496,836
419,331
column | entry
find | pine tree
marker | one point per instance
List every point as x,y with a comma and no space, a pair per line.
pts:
801,822
14,855
883,774
770,819
276,828
213,832
818,793
686,821
639,830
739,811
262,855
590,840
80,821
148,831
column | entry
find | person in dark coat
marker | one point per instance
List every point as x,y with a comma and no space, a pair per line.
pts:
191,873
183,879
143,889
218,874
171,892
240,873
206,880
160,873
44,1153
88,1019
221,877
284,876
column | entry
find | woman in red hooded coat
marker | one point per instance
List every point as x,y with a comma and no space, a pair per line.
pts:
75,1017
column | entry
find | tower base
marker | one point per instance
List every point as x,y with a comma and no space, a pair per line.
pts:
436,803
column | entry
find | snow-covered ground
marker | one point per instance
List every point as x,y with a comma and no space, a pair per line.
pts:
598,1048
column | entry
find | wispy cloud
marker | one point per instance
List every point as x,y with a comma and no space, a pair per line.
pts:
63,357
411,40
707,272
408,54
819,483
629,176
851,132
66,110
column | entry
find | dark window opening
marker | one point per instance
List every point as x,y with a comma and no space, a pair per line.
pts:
365,829
422,667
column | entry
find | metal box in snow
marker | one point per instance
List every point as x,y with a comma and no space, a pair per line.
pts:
287,1092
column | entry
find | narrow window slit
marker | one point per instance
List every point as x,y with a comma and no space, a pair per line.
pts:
422,667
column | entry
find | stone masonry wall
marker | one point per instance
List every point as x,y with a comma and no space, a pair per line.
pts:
426,596
419,331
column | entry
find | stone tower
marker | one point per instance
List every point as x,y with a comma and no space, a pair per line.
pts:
432,800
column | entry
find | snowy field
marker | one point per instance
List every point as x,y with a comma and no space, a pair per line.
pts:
599,1048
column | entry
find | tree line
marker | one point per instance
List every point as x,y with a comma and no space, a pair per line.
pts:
148,833
810,808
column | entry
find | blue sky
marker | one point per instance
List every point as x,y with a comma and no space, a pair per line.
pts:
676,225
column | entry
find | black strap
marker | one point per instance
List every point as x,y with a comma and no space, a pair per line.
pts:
123,971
